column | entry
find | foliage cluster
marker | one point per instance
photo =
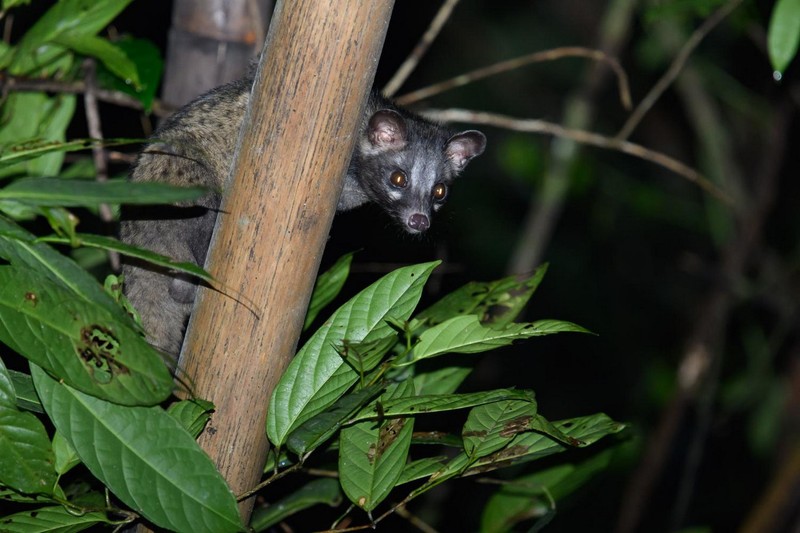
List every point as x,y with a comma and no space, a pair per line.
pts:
89,430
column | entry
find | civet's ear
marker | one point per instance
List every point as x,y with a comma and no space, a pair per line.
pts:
387,130
463,147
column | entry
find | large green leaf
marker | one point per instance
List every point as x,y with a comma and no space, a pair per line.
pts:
144,456
372,455
78,193
77,341
318,375
26,458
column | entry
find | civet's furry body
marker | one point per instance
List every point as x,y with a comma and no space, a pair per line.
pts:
401,162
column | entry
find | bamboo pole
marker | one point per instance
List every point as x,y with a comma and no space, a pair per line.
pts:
295,145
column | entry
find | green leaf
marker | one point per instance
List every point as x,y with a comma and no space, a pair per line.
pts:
441,381
491,427
65,455
317,430
315,492
144,456
372,455
79,342
496,303
33,149
192,414
328,286
108,243
8,4
111,56
26,458
65,18
19,248
783,34
531,446
423,404
318,375
26,394
78,193
53,519
147,59
63,222
421,468
8,396
465,334
30,116
364,356
531,496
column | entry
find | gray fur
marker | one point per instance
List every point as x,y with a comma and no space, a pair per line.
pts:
195,146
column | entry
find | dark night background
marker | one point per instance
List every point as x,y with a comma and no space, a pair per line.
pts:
634,253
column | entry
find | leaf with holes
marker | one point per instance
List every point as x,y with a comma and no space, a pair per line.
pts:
77,341
530,446
416,405
372,455
490,427
496,303
465,334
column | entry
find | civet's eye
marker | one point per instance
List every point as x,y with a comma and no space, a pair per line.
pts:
439,192
398,179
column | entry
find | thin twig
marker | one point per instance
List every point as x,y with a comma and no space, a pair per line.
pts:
675,68
98,152
414,520
14,83
583,137
268,481
424,43
517,62
8,23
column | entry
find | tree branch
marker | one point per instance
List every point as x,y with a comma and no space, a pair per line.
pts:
583,137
